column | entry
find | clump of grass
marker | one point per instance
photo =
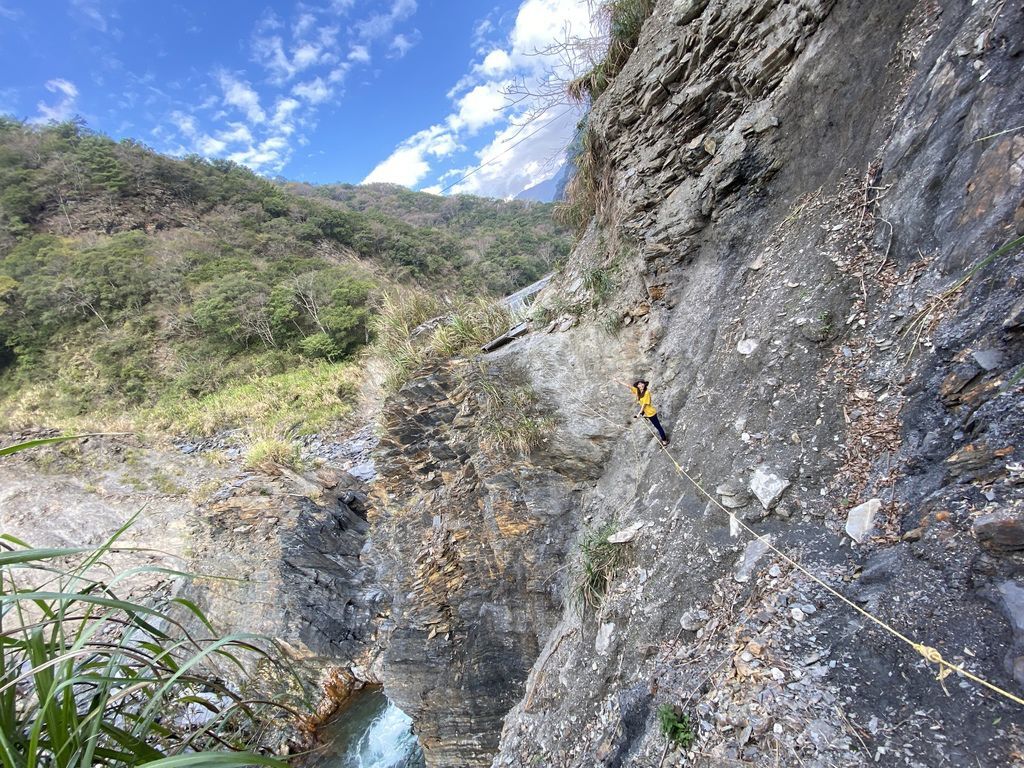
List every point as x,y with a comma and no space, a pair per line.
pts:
589,191
412,328
88,678
509,416
675,726
400,314
625,20
598,561
269,452
541,315
599,282
470,325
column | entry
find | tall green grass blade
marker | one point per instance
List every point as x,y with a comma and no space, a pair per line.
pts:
208,760
18,447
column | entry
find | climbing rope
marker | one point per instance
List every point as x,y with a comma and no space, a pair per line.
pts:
929,653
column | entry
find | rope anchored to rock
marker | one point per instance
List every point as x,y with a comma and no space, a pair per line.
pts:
929,653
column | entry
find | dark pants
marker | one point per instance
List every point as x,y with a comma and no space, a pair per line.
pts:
657,426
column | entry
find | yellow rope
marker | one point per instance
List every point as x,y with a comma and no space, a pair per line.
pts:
930,654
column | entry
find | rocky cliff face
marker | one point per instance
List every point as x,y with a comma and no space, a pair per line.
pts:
469,541
283,548
803,197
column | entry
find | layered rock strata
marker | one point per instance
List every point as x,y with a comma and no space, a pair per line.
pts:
807,205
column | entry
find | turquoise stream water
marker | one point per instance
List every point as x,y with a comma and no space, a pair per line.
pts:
370,732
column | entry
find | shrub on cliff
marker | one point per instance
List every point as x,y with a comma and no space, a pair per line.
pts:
675,726
413,327
598,561
624,20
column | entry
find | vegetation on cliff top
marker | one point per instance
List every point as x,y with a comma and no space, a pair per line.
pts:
177,290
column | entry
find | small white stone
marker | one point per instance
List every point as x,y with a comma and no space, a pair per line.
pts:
747,346
797,614
861,519
767,486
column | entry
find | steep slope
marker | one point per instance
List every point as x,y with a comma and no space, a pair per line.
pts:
796,208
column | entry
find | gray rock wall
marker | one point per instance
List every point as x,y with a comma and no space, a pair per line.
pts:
797,189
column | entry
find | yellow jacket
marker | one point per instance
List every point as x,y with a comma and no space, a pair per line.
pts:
645,401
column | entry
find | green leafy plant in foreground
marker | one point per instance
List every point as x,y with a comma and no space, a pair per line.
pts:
88,678
675,727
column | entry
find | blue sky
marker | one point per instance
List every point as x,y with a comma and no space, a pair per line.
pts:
413,92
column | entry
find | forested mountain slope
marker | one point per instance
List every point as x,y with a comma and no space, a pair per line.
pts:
508,242
129,279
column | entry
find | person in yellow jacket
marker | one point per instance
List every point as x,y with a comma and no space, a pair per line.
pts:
642,393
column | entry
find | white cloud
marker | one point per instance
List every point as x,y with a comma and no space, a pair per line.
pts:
403,43
381,24
186,124
65,106
306,55
410,162
542,23
207,145
89,11
533,127
302,59
240,95
283,114
315,91
11,14
62,86
480,106
271,154
270,53
508,165
238,134
497,62
359,53
303,24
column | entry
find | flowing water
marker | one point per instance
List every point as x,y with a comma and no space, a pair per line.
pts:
370,732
